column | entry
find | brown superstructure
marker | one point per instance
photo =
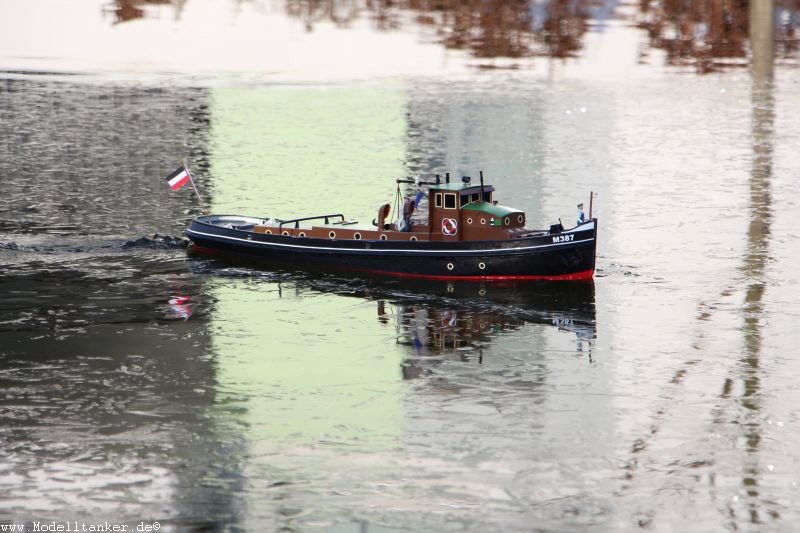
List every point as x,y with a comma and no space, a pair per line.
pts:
456,212
460,232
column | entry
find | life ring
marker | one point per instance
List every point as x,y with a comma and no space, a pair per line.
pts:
449,226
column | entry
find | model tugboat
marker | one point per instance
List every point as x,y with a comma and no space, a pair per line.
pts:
465,235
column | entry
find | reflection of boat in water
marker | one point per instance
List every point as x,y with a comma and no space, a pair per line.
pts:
470,315
465,235
437,317
464,318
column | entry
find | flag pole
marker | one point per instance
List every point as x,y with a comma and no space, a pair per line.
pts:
202,203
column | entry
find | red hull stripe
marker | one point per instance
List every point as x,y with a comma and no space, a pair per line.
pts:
577,276
204,250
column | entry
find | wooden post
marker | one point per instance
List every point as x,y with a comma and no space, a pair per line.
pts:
591,197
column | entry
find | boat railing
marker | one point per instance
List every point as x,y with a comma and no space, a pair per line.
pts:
297,221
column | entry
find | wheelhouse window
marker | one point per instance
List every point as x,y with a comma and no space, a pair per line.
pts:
438,199
476,196
449,201
487,197
464,199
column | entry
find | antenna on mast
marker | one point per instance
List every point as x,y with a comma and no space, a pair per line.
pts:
592,194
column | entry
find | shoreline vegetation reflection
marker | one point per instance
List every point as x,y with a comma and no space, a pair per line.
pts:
707,37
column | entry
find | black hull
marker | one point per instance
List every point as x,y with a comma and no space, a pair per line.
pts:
568,256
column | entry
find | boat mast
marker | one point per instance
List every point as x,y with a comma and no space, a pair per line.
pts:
191,179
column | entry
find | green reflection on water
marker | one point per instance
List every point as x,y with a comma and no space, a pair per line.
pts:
307,368
285,151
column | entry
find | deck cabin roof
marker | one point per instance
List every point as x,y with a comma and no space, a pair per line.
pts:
494,210
463,188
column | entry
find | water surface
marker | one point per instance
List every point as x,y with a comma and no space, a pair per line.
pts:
143,384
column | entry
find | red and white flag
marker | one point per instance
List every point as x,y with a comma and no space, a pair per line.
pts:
179,178
181,307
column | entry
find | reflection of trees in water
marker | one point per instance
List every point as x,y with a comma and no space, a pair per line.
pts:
487,28
713,34
340,12
756,261
706,34
125,10
787,42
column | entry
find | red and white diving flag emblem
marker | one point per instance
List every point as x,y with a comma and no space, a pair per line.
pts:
449,226
179,178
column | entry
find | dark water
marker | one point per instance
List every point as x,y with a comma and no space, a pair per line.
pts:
141,384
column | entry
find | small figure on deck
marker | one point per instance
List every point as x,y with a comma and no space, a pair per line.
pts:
405,223
581,215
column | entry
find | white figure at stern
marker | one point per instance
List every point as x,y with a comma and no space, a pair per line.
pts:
581,215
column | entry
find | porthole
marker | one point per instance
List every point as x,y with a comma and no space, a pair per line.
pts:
383,237
285,233
302,234
469,221
508,221
450,266
413,238
482,292
483,221
482,265
520,219
332,234
269,232
357,236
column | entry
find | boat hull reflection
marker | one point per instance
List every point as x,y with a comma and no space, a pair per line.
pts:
469,316
437,317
